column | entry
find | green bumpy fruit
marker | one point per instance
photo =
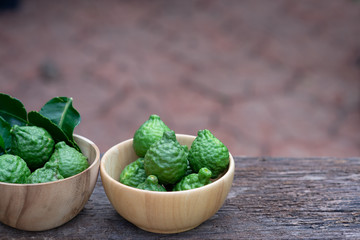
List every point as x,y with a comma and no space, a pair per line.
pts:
148,133
166,159
151,184
208,151
67,160
33,144
43,175
133,174
13,169
194,180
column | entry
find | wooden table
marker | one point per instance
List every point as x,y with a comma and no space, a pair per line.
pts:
271,198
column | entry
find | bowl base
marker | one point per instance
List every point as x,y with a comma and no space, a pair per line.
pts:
166,231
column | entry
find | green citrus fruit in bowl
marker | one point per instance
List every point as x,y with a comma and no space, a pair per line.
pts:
166,159
67,160
13,169
151,183
134,173
33,144
148,133
208,151
194,180
43,175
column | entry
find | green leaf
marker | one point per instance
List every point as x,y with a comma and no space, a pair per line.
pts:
12,110
2,145
5,137
57,134
61,112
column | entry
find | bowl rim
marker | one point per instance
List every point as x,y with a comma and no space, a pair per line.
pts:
230,171
96,160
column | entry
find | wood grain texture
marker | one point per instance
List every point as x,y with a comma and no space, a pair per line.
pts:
271,198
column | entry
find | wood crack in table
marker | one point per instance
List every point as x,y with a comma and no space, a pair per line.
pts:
271,198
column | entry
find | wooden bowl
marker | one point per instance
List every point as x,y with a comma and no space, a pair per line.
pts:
161,212
43,206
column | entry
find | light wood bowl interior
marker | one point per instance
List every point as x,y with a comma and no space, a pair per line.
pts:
161,212
43,206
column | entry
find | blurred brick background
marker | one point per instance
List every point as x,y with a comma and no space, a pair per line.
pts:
276,78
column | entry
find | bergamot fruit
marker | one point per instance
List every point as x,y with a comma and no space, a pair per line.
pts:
166,159
43,175
33,144
13,169
194,180
133,174
148,133
67,160
208,151
151,184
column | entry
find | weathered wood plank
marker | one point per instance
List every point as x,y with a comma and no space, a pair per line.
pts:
271,198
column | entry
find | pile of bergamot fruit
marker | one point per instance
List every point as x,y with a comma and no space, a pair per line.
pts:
38,147
166,165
